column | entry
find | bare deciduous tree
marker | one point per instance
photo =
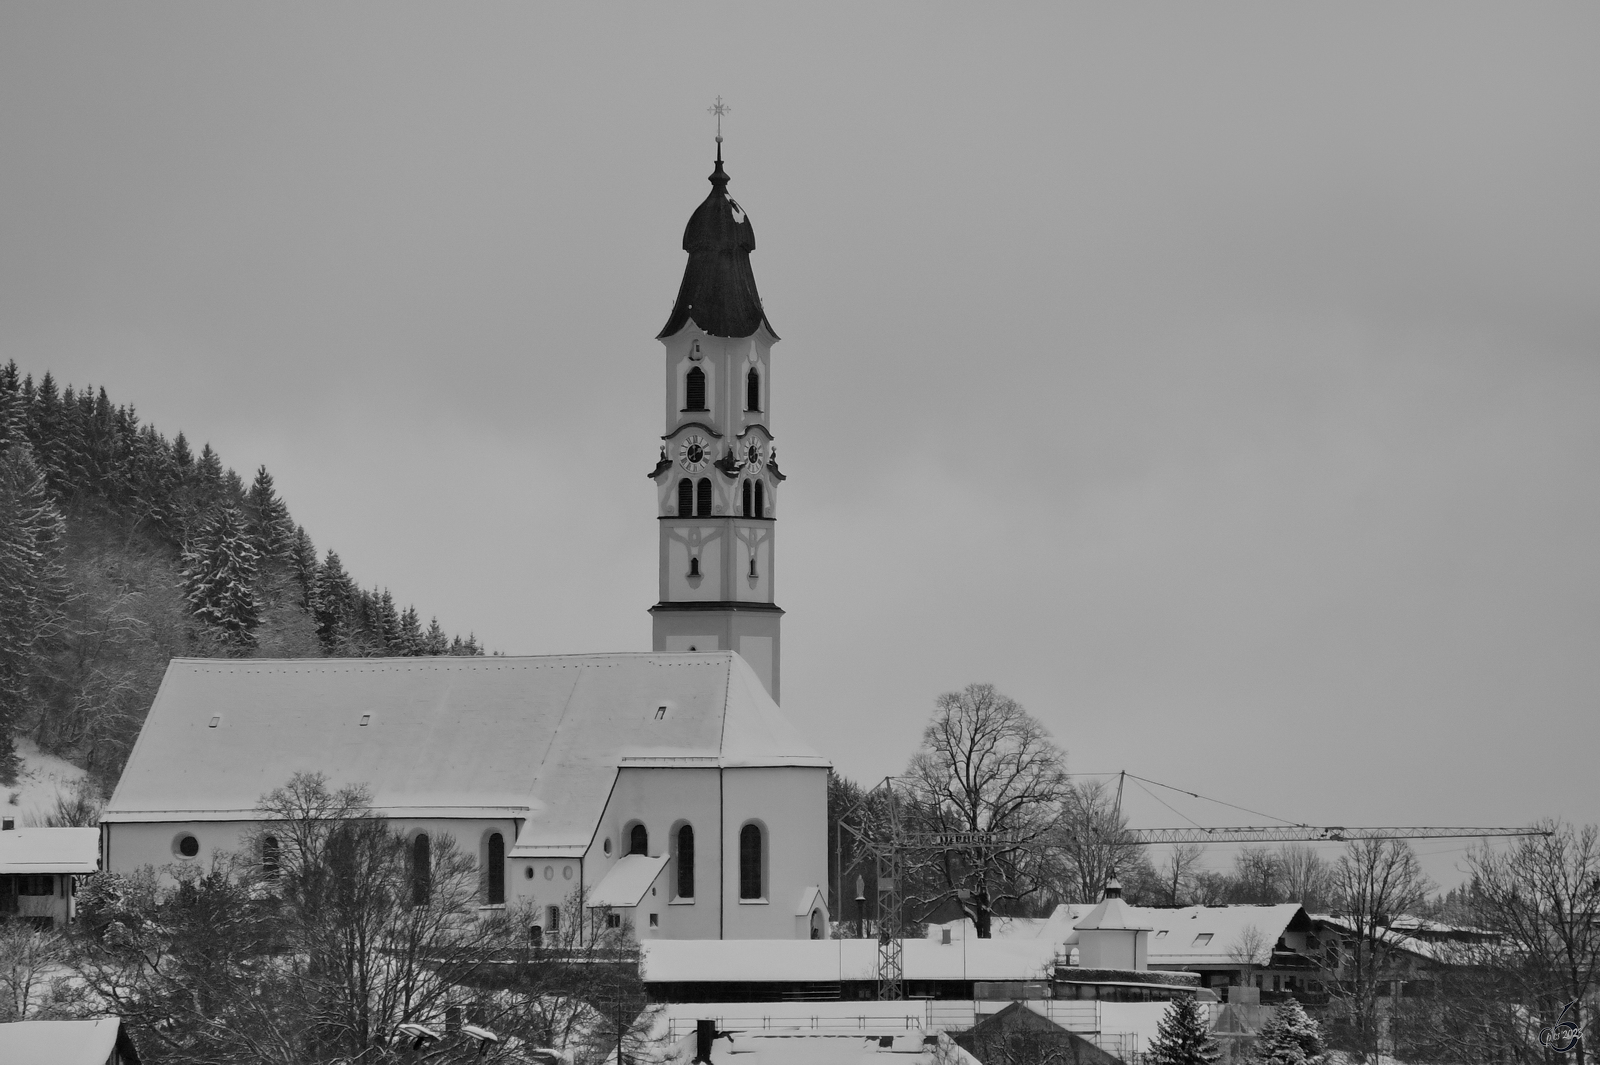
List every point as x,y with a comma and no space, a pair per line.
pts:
985,765
1304,876
1375,880
1178,873
1095,844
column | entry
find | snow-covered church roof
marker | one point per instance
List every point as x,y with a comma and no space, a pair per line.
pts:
539,738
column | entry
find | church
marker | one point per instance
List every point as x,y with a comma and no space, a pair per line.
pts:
665,785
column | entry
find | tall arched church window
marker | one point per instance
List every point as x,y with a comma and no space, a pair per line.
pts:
421,869
496,862
694,389
750,862
702,498
685,862
746,494
639,840
752,389
271,856
685,498
761,500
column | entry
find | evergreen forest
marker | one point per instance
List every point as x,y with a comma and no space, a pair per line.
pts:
121,549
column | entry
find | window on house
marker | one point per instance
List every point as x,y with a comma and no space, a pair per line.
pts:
639,840
655,921
745,492
750,862
694,390
421,870
686,862
686,498
613,920
694,571
752,389
702,498
761,500
496,862
661,713
1161,934
552,917
752,565
536,933
271,856
1202,939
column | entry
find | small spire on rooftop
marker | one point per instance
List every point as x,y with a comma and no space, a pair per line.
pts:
719,109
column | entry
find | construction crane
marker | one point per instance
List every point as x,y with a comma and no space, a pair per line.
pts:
889,854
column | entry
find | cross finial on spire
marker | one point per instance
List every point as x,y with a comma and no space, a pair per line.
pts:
719,109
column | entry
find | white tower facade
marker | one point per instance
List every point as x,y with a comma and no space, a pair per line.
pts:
717,479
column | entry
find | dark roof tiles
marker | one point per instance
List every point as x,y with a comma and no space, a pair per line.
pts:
719,287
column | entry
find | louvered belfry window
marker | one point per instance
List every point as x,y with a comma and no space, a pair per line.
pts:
702,498
761,500
694,390
686,498
752,389
746,493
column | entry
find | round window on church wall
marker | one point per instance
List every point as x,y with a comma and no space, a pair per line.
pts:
187,846
528,872
566,872
549,872
606,846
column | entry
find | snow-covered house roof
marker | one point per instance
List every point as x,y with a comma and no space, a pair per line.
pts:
50,850
539,738
829,960
1215,935
626,882
66,1042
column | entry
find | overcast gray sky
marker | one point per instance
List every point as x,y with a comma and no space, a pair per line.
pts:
1220,381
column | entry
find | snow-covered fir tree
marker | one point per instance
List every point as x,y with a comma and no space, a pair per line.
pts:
333,604
435,642
388,624
411,639
1183,1037
270,524
303,564
1291,1037
33,583
219,578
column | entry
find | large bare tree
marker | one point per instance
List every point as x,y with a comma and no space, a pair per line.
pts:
1095,845
1374,881
984,766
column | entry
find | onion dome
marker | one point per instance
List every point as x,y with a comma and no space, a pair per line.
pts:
719,287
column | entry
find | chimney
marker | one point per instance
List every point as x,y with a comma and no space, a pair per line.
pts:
705,1033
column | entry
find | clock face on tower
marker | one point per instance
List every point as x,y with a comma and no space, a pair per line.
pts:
692,453
753,457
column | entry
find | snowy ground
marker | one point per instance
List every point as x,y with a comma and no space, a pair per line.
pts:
43,777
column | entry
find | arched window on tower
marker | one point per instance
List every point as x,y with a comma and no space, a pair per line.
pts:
421,870
495,866
752,389
702,498
694,389
761,500
639,840
746,494
750,862
686,498
685,862
694,571
271,857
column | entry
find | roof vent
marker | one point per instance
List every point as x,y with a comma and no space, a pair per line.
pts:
216,719
366,719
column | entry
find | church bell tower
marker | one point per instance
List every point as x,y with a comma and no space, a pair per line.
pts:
717,478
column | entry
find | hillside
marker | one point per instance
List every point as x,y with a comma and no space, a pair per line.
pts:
121,549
